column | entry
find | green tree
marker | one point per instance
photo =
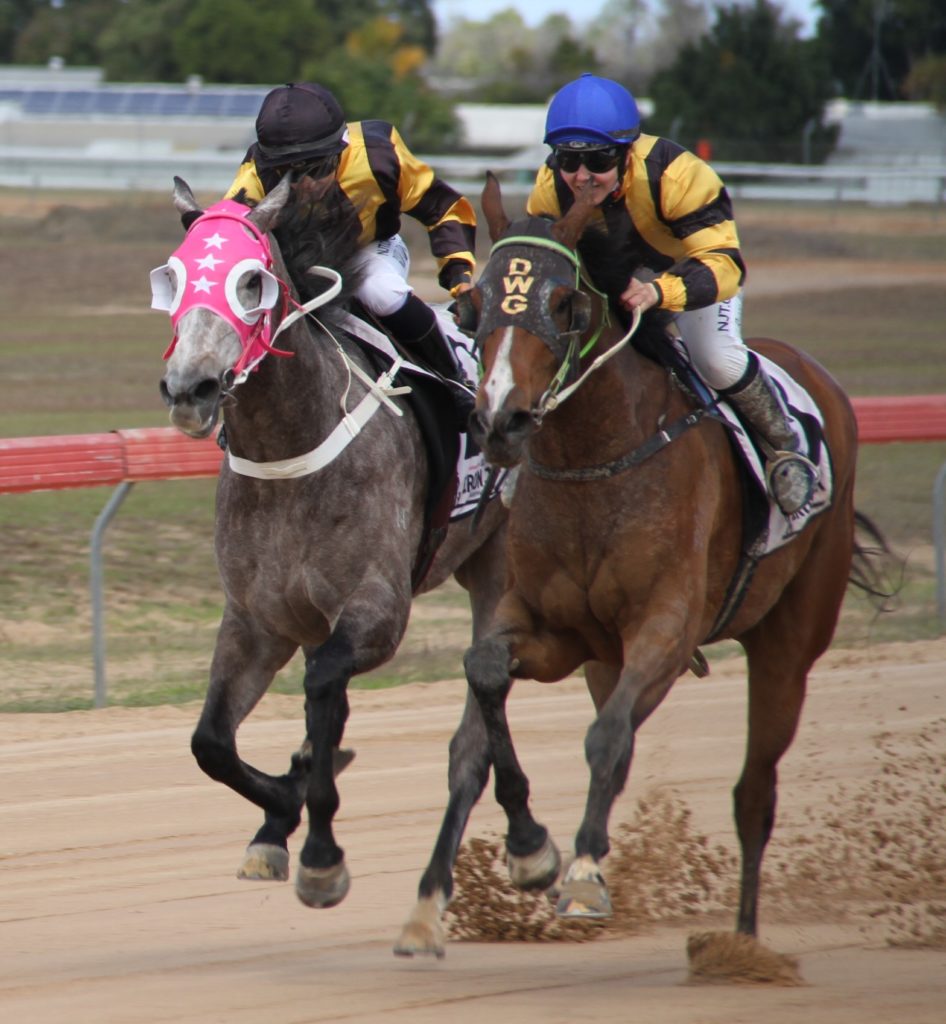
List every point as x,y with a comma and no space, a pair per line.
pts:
632,40
133,47
751,87
15,15
244,41
927,81
376,74
872,45
502,60
415,19
70,31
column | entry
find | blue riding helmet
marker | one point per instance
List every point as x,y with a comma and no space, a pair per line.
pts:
591,112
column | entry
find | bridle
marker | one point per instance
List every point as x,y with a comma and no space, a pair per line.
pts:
176,290
518,295
221,246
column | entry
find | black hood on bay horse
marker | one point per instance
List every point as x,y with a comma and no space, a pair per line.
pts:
520,277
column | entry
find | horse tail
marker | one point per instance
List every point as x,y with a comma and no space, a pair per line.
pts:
875,568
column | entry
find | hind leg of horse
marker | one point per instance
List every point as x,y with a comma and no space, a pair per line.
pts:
244,663
780,652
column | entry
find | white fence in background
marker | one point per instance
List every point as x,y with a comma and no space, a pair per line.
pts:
151,169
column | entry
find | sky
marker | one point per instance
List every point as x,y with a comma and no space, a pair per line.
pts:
535,11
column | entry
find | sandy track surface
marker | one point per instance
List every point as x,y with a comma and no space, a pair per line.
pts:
118,900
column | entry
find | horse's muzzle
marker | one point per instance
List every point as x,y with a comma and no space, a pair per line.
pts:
502,435
193,410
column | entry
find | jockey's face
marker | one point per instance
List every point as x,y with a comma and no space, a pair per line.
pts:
602,184
573,165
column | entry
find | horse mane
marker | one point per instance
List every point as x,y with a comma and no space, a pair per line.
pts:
320,234
324,233
609,262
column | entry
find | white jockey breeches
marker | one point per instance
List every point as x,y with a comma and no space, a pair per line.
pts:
385,266
713,337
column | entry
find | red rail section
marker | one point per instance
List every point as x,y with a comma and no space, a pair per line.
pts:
89,460
163,453
881,420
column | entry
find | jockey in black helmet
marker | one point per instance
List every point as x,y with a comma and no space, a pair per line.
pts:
301,129
678,212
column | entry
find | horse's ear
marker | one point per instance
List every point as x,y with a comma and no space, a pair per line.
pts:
569,229
492,202
266,213
184,199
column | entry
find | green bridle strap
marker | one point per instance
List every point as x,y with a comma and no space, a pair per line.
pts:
537,242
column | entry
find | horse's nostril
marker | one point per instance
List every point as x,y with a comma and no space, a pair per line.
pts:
477,424
519,422
206,390
165,394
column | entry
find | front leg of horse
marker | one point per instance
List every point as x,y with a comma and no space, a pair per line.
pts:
467,776
244,664
651,666
322,878
609,746
267,856
532,856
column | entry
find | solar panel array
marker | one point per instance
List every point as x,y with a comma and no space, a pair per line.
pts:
121,101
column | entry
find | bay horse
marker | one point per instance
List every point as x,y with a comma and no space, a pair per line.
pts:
625,534
320,506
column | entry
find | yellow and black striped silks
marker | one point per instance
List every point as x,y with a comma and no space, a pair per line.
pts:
381,179
672,209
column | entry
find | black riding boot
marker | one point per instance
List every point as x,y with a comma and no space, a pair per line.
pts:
791,477
415,327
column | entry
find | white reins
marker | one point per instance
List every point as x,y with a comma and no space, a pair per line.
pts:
380,392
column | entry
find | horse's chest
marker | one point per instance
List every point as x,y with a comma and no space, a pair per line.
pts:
588,557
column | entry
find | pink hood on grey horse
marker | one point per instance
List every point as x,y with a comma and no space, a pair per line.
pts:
204,271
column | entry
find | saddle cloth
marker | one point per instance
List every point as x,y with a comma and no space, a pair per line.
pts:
770,527
471,466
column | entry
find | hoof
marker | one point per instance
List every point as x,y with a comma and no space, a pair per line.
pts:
322,887
264,862
424,933
538,870
584,893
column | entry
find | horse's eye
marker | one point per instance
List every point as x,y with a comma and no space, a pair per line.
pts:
255,282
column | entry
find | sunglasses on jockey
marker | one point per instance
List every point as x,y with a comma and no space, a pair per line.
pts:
597,161
315,169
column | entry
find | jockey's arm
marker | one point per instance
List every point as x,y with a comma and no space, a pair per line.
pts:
696,207
448,216
247,179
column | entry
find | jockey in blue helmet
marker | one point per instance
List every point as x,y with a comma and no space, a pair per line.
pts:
676,209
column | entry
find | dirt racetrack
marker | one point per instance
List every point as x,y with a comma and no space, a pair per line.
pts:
118,901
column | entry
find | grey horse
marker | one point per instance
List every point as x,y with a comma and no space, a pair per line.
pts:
321,561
